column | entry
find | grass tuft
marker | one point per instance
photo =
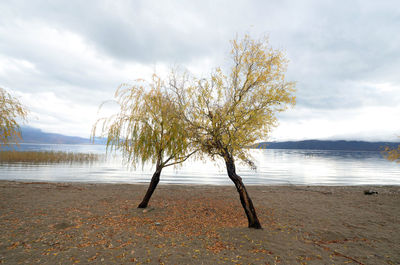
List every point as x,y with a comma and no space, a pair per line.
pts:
47,157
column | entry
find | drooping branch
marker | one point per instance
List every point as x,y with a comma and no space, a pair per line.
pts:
11,113
179,160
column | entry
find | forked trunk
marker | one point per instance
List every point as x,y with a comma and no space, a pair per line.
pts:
244,196
153,184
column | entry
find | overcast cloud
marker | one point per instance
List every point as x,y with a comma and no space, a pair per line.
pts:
63,58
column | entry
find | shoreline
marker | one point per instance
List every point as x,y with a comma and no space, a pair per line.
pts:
34,181
54,222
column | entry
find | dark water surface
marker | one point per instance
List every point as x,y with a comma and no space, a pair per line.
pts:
274,167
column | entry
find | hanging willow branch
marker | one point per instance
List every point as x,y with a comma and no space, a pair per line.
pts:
11,113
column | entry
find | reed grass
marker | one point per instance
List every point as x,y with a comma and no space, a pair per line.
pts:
47,157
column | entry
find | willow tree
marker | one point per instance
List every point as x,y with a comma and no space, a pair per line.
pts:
227,113
11,113
145,129
392,154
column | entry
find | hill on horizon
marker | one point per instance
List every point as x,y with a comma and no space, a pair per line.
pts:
37,136
327,145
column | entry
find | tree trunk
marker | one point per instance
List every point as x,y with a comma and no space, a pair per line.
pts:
153,184
244,196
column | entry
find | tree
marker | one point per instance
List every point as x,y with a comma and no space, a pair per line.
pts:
226,114
11,113
145,129
392,154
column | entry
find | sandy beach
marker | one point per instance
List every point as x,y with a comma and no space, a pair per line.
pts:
66,223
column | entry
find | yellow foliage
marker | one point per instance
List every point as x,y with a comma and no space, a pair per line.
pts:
392,154
11,112
226,113
219,115
146,127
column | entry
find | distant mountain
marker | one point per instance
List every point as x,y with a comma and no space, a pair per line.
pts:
33,135
327,145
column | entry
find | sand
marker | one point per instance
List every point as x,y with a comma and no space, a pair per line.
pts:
66,223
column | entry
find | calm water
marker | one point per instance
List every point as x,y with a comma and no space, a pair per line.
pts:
274,167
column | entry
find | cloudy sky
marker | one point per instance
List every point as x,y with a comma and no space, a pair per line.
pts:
63,58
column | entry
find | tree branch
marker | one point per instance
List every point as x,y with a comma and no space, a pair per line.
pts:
182,159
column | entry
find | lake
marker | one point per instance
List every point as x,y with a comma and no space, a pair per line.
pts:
274,167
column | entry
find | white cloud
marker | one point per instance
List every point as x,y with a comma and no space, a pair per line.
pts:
69,56
370,123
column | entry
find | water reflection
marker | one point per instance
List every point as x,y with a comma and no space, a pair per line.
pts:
300,167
